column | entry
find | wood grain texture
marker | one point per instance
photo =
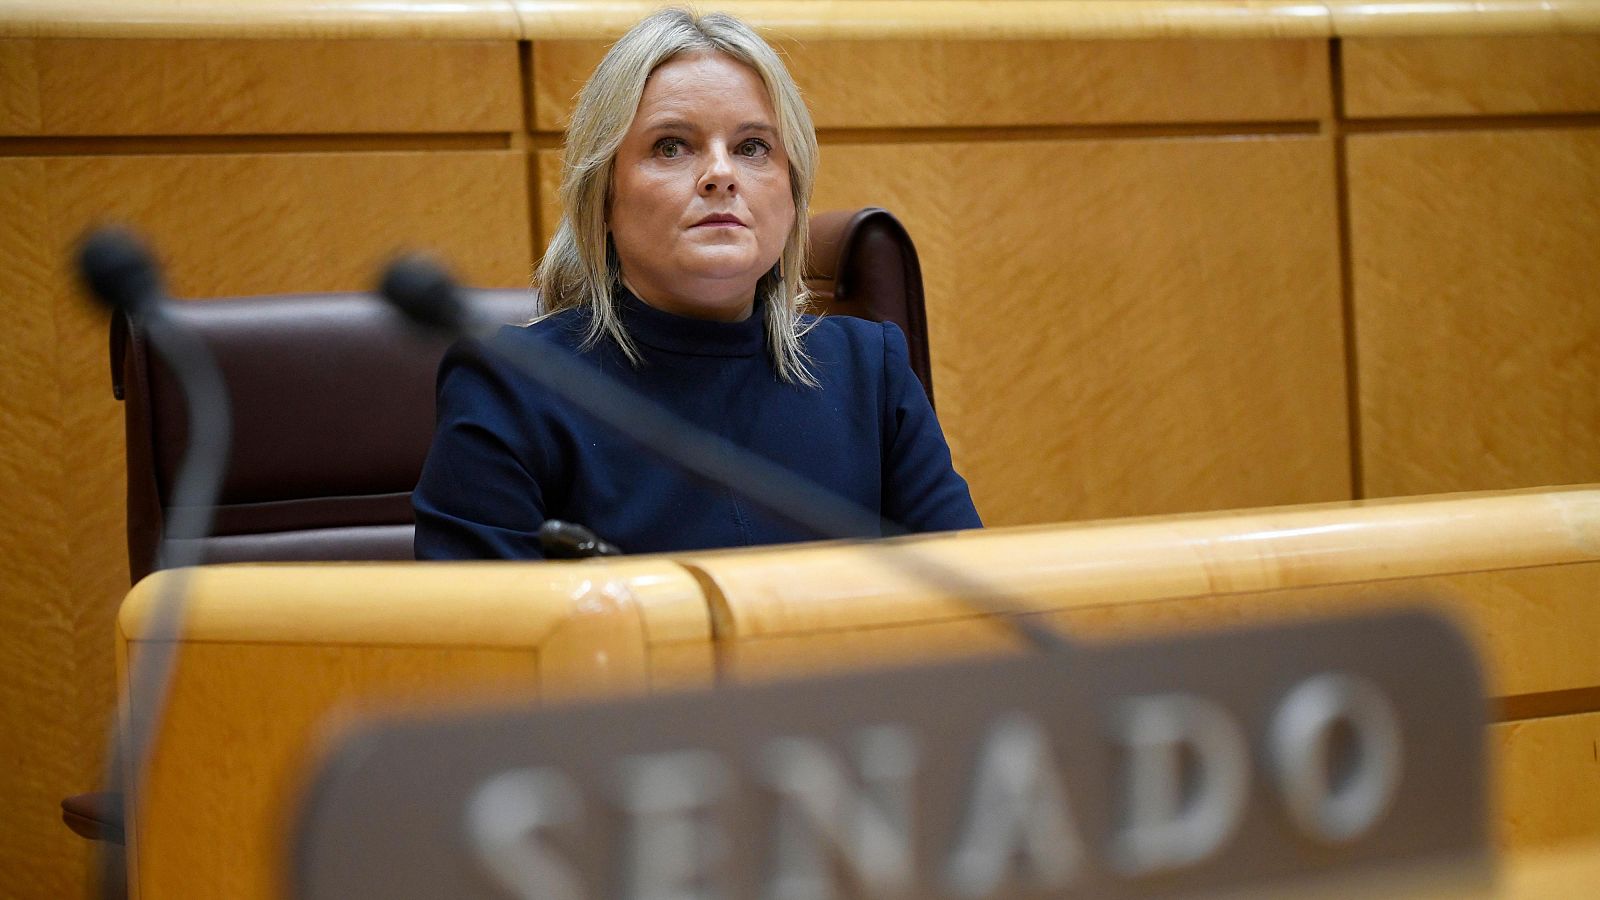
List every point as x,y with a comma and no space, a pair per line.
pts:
245,224
275,657
877,84
41,725
1549,781
1519,571
214,87
1477,334
1467,76
230,224
1565,871
1122,328
1431,18
240,737
858,19
258,19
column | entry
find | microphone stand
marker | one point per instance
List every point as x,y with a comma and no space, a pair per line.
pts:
122,275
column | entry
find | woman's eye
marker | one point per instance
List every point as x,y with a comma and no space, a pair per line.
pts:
754,147
669,148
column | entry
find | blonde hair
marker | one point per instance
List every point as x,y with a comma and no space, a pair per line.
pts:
580,269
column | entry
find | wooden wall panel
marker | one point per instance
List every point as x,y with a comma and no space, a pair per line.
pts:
864,84
1464,76
1122,328
42,728
1476,322
217,87
227,224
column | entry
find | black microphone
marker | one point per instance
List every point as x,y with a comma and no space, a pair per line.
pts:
119,271
428,296
566,540
122,274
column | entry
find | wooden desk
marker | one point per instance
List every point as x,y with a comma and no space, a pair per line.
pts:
272,653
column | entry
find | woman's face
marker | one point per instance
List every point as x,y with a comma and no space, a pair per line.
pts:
700,204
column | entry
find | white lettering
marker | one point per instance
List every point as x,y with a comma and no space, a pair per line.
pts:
1300,738
1169,826
868,829
504,818
676,849
1018,816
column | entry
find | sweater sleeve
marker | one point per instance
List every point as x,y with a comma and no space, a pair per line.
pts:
921,489
479,496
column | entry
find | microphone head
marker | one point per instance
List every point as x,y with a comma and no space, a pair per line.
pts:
425,293
119,271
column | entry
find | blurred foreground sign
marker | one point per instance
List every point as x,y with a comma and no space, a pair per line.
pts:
1312,755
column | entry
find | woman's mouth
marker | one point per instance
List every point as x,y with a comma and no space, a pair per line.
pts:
720,220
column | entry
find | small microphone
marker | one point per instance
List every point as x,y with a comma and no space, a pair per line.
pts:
427,296
123,276
120,272
565,540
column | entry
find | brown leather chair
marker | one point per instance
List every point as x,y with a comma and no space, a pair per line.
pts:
332,399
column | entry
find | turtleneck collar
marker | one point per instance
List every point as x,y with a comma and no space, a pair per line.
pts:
660,330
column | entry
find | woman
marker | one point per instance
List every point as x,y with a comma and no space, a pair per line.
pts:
676,273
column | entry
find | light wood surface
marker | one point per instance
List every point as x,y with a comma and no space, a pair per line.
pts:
862,84
42,639
1548,780
274,657
1094,306
1048,568
1477,335
1519,571
227,224
1571,870
1471,76
863,19
337,19
211,87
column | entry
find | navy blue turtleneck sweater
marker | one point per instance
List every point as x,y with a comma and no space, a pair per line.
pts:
506,455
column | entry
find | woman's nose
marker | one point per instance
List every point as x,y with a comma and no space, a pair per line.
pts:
719,174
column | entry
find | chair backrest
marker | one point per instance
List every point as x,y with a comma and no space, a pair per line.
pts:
333,402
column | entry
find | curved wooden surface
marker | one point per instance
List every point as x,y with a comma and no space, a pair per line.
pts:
799,19
273,653
1058,567
274,656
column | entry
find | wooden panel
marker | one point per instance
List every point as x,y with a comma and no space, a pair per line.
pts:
245,224
866,84
227,224
1477,329
1460,76
42,730
1518,569
225,770
1569,870
132,87
1121,328
1549,780
276,657
1535,628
